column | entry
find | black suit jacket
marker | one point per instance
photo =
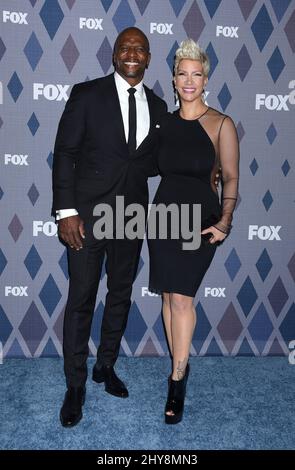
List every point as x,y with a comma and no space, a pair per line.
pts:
91,161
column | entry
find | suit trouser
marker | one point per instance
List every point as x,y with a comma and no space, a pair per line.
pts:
85,266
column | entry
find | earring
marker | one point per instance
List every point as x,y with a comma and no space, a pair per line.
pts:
176,99
204,95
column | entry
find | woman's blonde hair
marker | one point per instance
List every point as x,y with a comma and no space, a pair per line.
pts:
191,50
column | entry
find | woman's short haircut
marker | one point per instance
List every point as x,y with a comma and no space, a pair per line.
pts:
191,50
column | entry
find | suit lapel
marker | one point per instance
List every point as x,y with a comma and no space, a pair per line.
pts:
113,103
150,101
149,97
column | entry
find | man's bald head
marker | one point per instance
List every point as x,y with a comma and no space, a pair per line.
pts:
132,30
131,55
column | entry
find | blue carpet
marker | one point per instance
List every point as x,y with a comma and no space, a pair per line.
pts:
232,403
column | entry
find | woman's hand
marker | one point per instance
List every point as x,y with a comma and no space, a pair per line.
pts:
217,235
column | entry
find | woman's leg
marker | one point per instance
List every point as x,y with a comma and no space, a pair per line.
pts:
167,319
183,322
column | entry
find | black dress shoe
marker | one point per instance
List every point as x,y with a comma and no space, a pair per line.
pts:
71,411
113,384
175,400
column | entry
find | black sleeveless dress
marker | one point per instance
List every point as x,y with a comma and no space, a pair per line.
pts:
187,159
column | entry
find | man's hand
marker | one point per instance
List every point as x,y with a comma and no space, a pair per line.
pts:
71,231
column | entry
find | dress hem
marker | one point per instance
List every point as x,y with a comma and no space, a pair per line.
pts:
160,291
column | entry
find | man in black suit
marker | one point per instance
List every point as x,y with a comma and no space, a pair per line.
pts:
104,147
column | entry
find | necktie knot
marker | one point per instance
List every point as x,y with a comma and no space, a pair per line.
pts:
131,91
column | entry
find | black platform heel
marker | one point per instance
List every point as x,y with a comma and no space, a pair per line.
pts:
175,400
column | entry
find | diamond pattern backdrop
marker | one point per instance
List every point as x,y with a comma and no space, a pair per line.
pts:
246,304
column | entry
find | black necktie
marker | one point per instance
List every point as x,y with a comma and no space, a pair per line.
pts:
132,121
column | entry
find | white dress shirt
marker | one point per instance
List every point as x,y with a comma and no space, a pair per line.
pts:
142,121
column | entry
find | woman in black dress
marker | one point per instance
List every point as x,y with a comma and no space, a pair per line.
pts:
194,142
